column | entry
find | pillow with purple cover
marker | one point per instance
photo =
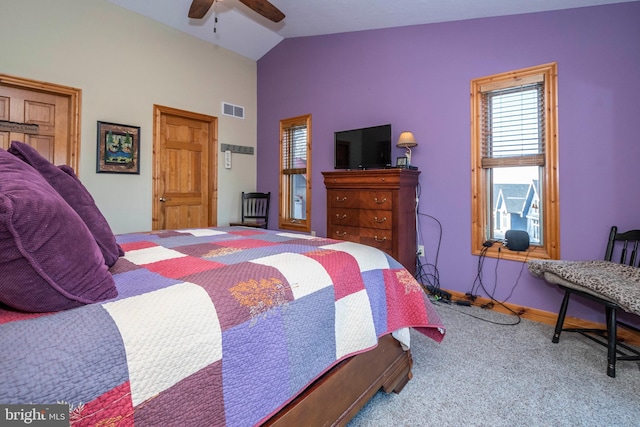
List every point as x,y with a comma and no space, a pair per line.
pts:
49,260
64,180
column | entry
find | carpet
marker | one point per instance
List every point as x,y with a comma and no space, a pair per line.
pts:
487,373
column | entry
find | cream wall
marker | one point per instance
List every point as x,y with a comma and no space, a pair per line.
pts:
125,63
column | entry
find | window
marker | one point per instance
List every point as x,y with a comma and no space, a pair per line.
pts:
295,172
514,155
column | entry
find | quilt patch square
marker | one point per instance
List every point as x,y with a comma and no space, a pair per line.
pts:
199,250
122,266
343,270
351,310
176,268
305,275
185,403
240,231
137,244
310,330
151,254
368,258
113,408
158,361
199,232
244,292
255,365
102,367
140,281
245,243
399,287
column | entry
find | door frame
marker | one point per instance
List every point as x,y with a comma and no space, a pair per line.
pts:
73,94
212,185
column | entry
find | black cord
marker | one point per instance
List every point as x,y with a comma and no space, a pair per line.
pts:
428,274
430,280
491,294
515,285
432,277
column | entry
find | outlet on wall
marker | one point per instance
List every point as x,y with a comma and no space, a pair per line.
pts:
420,251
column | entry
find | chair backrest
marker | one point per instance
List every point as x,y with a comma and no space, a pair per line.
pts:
256,206
623,247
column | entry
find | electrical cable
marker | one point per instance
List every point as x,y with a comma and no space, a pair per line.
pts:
427,274
491,294
450,307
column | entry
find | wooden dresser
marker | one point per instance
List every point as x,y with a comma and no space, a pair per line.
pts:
376,208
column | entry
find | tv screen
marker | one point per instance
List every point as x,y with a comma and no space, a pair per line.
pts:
365,148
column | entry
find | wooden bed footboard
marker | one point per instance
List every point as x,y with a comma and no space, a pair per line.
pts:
336,397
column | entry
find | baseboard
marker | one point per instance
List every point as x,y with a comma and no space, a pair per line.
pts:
546,317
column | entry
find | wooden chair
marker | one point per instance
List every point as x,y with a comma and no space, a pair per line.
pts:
255,210
614,283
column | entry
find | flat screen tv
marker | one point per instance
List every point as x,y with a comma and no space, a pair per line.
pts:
365,148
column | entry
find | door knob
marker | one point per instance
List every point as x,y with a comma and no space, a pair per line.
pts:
162,199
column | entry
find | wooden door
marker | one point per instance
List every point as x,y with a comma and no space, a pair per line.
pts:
184,169
53,109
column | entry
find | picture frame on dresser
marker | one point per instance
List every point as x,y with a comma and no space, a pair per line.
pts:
118,148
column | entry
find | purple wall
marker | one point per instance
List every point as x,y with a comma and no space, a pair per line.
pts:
417,78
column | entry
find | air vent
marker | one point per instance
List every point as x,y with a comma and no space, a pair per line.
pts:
232,110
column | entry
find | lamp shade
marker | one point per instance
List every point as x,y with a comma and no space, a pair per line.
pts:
406,140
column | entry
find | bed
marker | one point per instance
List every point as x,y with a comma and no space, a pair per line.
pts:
223,326
253,316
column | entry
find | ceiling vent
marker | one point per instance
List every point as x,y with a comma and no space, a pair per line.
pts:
232,110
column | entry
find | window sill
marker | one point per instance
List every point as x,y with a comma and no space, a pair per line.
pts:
502,252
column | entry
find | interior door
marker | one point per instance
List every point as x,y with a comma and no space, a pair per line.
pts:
184,169
51,108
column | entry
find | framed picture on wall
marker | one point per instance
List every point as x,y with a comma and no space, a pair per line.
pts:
118,148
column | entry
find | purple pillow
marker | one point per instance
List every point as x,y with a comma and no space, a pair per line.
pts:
67,184
49,261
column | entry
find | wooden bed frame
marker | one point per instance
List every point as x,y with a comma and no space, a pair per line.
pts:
336,397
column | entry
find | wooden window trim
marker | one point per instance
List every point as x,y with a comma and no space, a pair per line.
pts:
550,249
284,215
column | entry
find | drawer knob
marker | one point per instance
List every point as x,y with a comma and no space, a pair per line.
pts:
379,221
379,240
341,217
384,200
341,234
341,200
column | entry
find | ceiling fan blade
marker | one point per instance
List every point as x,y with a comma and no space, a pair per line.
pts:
199,8
264,8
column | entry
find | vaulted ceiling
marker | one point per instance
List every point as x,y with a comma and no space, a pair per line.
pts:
243,31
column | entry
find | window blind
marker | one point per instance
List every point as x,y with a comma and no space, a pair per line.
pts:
294,150
513,126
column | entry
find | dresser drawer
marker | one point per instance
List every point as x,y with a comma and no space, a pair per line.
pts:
351,234
344,198
374,218
376,200
344,217
378,238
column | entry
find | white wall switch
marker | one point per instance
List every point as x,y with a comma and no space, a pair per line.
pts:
227,159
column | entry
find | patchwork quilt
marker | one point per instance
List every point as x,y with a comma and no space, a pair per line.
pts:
211,327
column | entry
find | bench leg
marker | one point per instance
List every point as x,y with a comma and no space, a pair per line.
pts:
611,341
561,316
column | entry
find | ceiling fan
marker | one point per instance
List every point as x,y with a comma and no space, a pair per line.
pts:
199,8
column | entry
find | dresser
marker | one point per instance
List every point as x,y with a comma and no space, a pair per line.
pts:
374,207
